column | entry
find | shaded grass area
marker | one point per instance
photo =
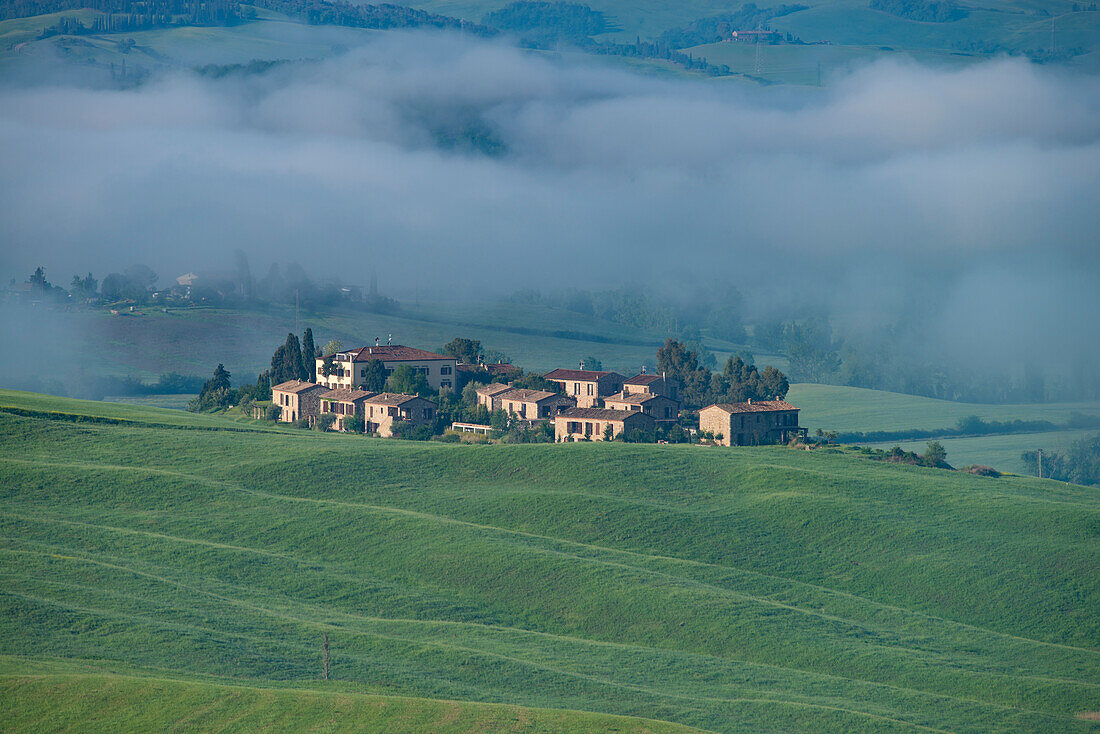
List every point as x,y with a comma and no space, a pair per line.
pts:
734,590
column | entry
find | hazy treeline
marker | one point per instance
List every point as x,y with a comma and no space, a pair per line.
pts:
719,27
974,426
544,23
1080,464
926,11
124,15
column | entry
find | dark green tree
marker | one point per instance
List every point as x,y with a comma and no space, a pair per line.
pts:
309,356
407,381
464,350
375,377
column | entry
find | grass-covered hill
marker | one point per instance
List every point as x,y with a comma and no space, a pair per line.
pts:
757,590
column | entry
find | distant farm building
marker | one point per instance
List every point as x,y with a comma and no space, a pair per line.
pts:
749,36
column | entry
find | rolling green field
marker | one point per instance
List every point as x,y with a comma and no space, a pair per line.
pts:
835,408
763,590
61,697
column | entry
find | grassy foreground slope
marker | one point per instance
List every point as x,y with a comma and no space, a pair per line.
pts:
63,700
732,590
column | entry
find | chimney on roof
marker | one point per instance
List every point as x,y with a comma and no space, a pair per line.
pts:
582,364
376,340
643,369
750,401
389,340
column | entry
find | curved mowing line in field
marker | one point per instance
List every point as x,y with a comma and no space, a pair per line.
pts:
597,680
198,479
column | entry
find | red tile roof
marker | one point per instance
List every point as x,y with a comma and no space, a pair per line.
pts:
523,395
345,395
295,386
642,380
635,398
577,375
392,398
756,406
393,353
493,388
602,414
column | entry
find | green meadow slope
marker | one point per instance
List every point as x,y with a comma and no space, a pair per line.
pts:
763,590
57,698
838,408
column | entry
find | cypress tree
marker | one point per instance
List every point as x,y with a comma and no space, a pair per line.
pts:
293,359
309,356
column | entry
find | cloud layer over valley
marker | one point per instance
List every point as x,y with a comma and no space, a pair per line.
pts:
427,158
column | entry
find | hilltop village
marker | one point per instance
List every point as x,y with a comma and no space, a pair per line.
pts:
573,405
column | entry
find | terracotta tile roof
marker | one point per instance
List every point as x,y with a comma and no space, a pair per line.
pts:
492,369
634,398
295,386
577,375
756,406
602,414
642,380
493,388
392,353
392,398
345,395
528,396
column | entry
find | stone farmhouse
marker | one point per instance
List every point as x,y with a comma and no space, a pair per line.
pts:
534,405
651,384
441,371
487,395
589,424
751,423
589,387
297,399
379,411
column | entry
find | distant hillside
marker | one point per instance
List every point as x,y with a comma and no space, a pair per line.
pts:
735,590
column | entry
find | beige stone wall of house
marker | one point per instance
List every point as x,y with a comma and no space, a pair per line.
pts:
715,421
381,418
569,428
304,404
441,374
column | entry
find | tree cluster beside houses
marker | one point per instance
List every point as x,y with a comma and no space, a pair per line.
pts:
396,390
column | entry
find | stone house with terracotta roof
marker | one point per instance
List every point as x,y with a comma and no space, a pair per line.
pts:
589,387
651,384
589,424
487,395
440,370
657,407
345,403
297,399
534,405
751,423
383,410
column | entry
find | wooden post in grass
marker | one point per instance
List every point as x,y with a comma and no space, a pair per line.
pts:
324,653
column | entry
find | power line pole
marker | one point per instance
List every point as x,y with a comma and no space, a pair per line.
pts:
324,654
1040,463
